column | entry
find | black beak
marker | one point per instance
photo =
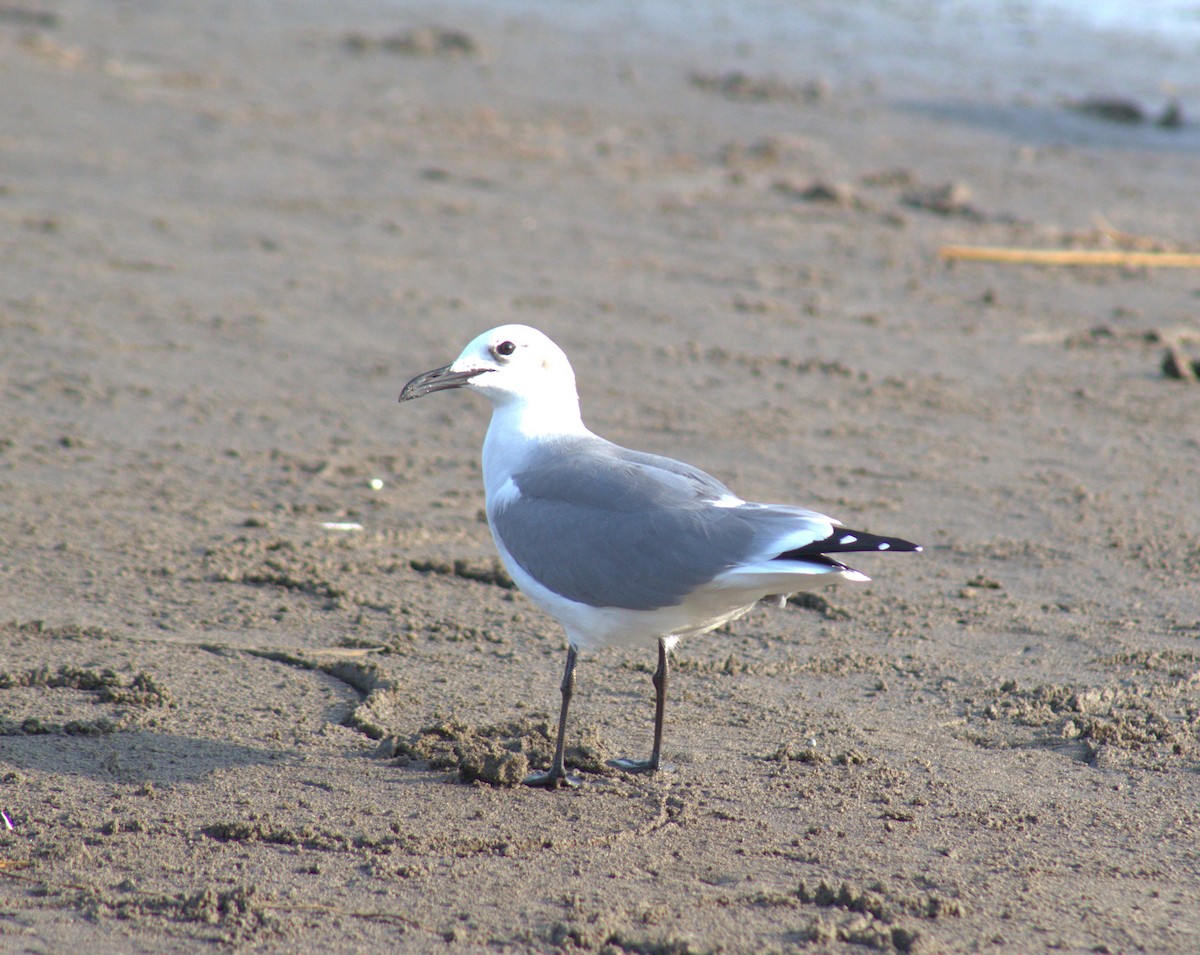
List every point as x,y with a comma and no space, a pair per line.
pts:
440,379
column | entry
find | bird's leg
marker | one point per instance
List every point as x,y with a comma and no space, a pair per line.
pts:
557,775
660,709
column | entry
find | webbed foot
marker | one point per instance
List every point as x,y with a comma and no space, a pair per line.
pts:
553,779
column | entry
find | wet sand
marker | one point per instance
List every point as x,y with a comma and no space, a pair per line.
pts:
254,636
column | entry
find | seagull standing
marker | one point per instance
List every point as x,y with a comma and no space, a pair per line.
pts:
620,546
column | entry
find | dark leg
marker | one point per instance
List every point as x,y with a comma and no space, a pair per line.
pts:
557,776
660,709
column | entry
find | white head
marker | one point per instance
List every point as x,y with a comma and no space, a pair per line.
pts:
516,368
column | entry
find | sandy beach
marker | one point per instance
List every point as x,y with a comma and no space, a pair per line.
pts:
264,686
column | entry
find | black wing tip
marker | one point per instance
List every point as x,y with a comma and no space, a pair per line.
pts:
843,540
898,543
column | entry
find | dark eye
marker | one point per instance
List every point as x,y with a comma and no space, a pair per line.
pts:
505,349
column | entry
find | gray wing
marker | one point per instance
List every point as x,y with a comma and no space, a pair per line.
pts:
614,528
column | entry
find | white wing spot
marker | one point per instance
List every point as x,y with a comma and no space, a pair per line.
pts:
884,546
847,539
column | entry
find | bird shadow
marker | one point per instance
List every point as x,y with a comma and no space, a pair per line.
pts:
133,756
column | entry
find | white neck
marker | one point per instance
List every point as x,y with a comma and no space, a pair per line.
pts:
517,425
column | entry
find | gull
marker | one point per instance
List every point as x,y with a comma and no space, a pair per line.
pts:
620,546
